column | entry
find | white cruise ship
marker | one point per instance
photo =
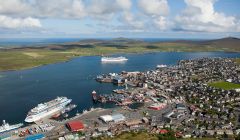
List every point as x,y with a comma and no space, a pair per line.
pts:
161,66
114,59
47,109
6,127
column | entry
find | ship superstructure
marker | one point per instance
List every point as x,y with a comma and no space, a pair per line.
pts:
43,110
161,66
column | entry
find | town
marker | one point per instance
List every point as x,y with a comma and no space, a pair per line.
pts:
196,98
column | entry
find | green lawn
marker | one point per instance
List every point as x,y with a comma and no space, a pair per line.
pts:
238,60
224,85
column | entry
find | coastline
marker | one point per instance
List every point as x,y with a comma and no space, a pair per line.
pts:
110,54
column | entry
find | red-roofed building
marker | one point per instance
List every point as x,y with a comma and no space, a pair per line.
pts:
178,134
163,131
75,126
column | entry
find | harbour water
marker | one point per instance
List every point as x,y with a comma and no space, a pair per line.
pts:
22,90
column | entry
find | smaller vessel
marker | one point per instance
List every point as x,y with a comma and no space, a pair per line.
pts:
114,59
119,91
84,111
7,127
94,96
70,107
161,66
77,113
102,99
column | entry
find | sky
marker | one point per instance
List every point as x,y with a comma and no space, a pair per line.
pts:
119,18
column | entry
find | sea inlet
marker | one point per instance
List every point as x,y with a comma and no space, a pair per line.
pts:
22,90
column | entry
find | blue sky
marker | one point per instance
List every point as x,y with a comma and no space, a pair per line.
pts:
119,18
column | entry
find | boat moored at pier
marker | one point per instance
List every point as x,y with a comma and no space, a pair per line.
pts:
7,127
47,109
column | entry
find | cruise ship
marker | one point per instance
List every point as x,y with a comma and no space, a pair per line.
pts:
7,127
47,109
161,66
114,59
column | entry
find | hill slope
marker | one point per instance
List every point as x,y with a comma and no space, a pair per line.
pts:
28,57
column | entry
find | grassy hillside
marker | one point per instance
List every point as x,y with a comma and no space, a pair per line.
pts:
28,57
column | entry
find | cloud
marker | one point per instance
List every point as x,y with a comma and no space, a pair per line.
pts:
157,12
130,20
11,7
201,16
63,8
124,15
161,23
124,4
58,9
105,9
154,7
14,11
9,22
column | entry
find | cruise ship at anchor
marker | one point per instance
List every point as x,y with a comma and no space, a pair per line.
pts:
114,59
47,109
7,127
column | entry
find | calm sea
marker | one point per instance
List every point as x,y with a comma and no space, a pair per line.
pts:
22,90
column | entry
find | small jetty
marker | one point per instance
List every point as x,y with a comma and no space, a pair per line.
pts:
119,91
103,79
111,78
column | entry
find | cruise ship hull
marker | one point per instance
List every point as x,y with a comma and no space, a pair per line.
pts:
116,60
12,127
47,113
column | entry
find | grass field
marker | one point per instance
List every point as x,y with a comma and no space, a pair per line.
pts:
16,60
224,85
238,60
